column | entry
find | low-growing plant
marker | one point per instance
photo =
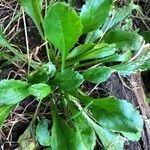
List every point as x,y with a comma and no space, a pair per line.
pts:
70,64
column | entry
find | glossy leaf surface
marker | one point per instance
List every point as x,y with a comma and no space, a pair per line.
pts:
64,137
62,26
42,133
97,74
124,40
68,80
94,13
117,115
13,91
40,90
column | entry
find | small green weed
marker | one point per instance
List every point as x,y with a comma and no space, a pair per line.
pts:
69,65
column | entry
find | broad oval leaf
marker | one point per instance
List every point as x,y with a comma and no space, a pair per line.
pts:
4,112
33,8
13,91
62,26
42,133
124,40
68,80
40,90
97,74
119,116
94,13
110,140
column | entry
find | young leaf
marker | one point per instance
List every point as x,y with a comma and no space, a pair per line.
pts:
124,40
119,116
97,74
62,26
68,80
42,74
94,13
64,137
13,91
40,90
120,15
42,133
33,8
4,112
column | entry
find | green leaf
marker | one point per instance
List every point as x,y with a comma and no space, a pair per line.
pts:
33,8
97,74
42,74
3,40
110,140
146,35
119,15
128,68
84,131
13,91
79,50
68,80
40,90
62,26
4,112
94,13
145,65
100,50
124,40
118,57
65,137
42,133
93,36
119,116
